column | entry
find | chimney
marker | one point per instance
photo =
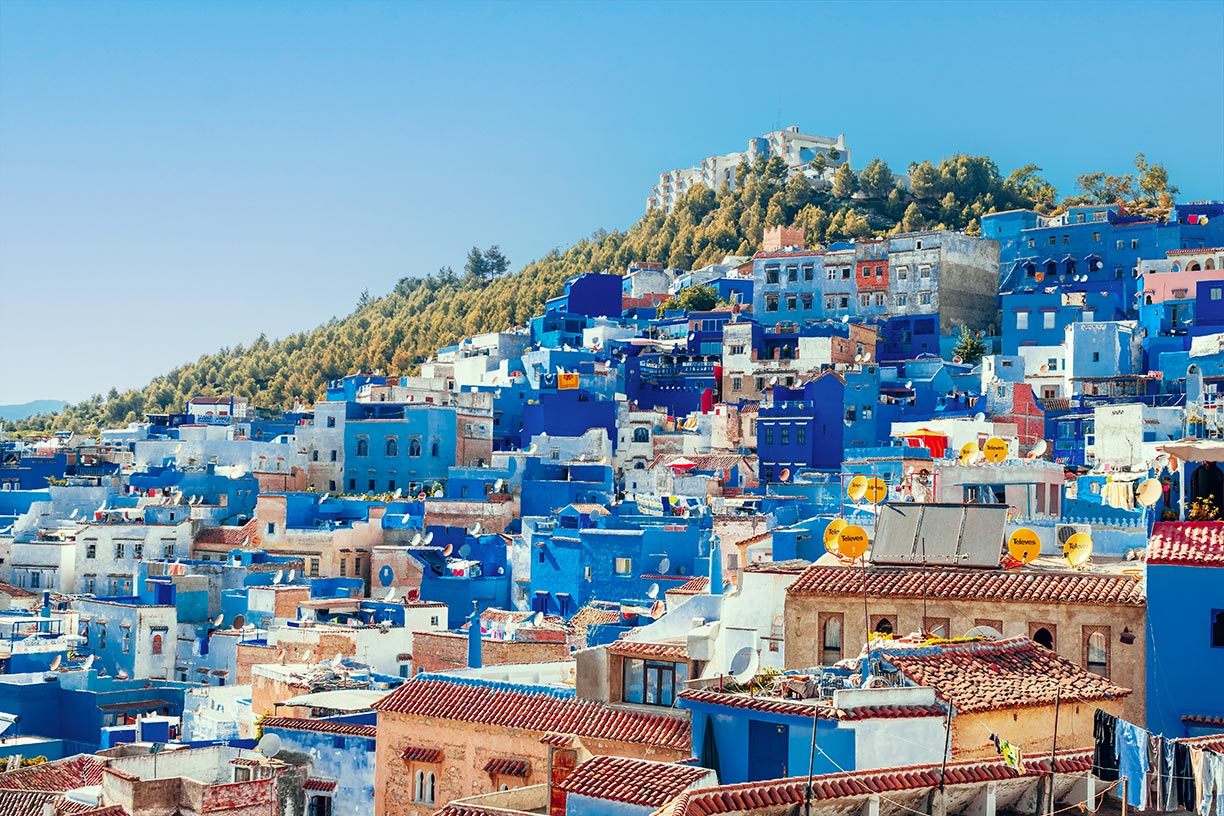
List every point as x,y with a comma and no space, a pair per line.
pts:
474,643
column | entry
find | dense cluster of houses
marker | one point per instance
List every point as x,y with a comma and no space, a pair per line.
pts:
605,563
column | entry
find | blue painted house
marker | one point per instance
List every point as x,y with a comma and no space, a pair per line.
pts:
398,446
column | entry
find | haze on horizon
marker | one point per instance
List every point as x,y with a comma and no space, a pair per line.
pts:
177,178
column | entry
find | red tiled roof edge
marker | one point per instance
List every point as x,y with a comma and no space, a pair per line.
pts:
320,726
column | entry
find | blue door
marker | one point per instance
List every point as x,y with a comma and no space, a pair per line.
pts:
767,750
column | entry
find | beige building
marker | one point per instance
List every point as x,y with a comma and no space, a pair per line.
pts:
1095,620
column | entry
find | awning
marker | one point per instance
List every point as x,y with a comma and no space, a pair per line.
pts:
134,704
415,753
1195,450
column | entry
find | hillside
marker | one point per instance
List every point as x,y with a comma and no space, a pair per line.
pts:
398,331
28,409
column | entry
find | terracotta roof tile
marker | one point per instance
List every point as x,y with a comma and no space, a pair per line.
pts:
27,803
322,785
747,796
531,708
1209,742
417,753
1187,543
321,726
781,705
15,591
632,781
61,775
990,675
508,766
461,809
641,648
695,586
982,585
229,536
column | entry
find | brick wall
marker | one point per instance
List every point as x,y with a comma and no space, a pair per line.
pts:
444,651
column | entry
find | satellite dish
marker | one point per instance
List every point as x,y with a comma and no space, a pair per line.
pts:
1040,448
1024,545
499,486
652,591
121,674
877,490
857,488
985,633
74,512
386,575
218,620
465,550
784,475
474,529
292,575
1078,549
744,665
278,577
1150,491
664,565
831,532
773,380
909,384
979,417
858,358
269,745
239,622
416,539
399,491
995,450
909,471
968,453
390,594
852,542
305,656
845,319
89,661
447,550
338,660
428,538
866,356
55,664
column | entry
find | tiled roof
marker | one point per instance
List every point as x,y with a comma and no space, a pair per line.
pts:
15,591
229,536
461,809
696,586
783,253
588,509
26,803
749,796
590,615
508,766
531,708
321,726
988,675
418,753
779,705
62,775
112,810
794,566
632,781
322,785
981,586
1208,742
701,461
1204,719
1187,543
640,648
1200,251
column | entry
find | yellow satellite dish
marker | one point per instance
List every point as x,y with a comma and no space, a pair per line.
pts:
852,542
995,449
857,488
1024,545
1078,549
831,532
877,491
968,453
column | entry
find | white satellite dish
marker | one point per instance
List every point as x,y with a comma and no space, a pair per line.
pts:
979,417
338,660
269,745
866,356
217,620
664,565
652,591
428,538
399,491
416,540
405,519
73,514
909,383
306,656
390,594
1040,448
89,661
858,358
121,675
744,665
474,529
845,318
499,486
292,575
278,577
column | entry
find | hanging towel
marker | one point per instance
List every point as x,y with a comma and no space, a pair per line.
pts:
1187,798
1105,753
1012,757
1133,764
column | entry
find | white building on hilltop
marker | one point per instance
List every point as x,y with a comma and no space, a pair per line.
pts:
795,148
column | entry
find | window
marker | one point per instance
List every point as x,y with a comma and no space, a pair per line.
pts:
736,384
127,641
363,447
414,448
102,637
643,434
314,456
1216,293
785,435
844,302
168,550
242,774
271,528
35,579
830,303
792,273
884,626
738,349
371,485
333,456
879,300
651,682
91,549
138,550
769,435
157,644
771,303
1217,628
392,447
771,274
801,435
845,273
423,791
866,272
1096,356
902,273
435,450
343,567
314,568
1047,320
808,272
1066,240
623,566
1096,649
320,806
864,300
331,422
1031,243
1119,244
792,302
1134,243
924,298
1043,633
1096,237
1053,240
1021,321
831,639
352,484
924,270
902,300
830,274
118,549
807,302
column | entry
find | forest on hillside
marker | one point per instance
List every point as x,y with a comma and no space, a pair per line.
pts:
396,332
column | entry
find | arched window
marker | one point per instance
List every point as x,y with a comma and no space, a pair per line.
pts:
884,627
1051,268
363,447
414,447
1070,267
1044,637
1030,270
157,644
641,434
392,447
434,449
832,641
1209,263
424,792
1193,266
1098,654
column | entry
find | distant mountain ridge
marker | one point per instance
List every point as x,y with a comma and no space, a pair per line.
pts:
12,413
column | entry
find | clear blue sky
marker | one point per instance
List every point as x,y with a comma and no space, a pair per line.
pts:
177,177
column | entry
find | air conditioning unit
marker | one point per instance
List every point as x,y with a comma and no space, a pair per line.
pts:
1064,531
